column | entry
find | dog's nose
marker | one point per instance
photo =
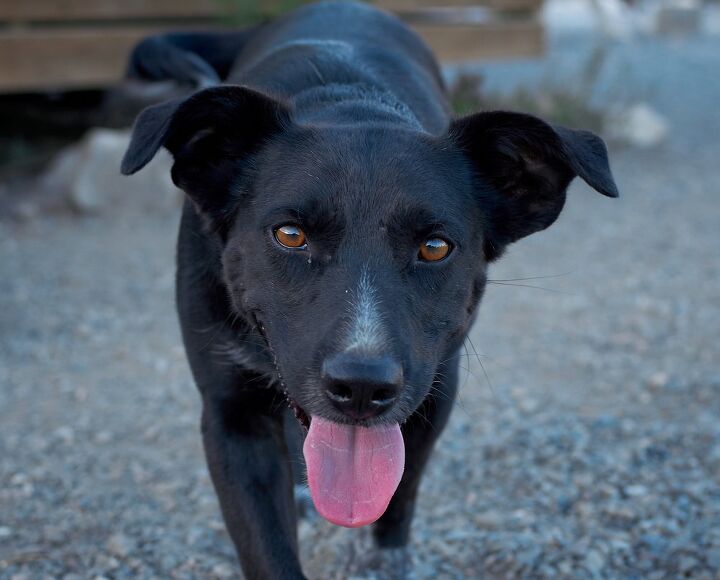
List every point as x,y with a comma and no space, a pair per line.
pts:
359,386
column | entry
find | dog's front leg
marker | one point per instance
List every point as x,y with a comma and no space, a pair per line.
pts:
247,457
420,432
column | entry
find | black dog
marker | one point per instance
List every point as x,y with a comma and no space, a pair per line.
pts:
333,251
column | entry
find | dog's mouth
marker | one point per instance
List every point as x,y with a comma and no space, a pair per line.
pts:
298,411
353,470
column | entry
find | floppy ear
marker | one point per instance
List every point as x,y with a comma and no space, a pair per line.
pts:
210,135
148,135
528,165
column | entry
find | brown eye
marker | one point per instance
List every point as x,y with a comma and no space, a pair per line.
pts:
434,250
290,236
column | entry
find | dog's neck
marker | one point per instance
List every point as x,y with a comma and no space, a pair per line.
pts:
350,103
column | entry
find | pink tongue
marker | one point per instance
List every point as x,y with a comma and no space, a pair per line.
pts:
353,472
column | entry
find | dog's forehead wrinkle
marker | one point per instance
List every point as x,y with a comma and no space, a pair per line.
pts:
374,151
367,173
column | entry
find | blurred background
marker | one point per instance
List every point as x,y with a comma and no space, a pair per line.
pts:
586,439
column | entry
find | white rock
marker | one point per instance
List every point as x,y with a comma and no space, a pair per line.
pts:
103,437
59,173
569,14
65,434
88,176
640,125
98,183
18,479
223,570
710,23
658,380
612,18
636,490
678,17
120,545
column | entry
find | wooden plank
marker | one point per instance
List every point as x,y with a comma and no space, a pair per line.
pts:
71,58
60,10
500,5
76,58
464,43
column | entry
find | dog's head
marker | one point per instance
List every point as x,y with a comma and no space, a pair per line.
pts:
361,249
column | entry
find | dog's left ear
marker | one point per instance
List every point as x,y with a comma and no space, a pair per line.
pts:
528,165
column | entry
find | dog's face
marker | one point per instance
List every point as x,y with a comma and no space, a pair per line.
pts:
360,244
361,250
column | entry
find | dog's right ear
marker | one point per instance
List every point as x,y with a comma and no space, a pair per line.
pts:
208,135
149,133
234,112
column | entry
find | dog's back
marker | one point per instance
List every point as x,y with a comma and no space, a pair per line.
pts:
349,52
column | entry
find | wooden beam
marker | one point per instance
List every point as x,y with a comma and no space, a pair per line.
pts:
459,43
70,55
64,10
65,59
92,58
500,5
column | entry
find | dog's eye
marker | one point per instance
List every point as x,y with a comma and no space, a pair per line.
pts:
290,236
434,250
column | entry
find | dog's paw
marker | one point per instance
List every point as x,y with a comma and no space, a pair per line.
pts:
383,564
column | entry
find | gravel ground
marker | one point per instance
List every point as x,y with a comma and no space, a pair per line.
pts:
591,448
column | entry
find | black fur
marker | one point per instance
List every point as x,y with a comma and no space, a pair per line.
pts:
334,119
